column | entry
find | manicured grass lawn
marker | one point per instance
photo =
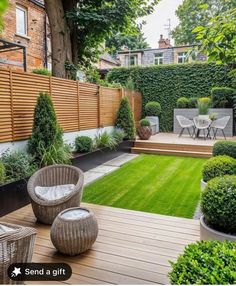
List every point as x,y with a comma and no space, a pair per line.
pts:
159,184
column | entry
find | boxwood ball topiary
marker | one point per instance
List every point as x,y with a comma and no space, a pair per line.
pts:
125,119
144,122
218,166
225,148
218,204
83,144
153,108
205,263
192,102
182,102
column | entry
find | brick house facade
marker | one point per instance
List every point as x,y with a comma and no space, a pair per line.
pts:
25,23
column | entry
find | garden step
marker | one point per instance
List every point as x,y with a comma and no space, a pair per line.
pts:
173,146
182,153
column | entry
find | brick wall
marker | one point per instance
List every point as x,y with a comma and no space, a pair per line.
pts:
35,40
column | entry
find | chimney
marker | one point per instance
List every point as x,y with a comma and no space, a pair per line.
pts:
164,43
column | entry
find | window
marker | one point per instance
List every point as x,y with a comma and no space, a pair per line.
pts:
21,20
158,59
131,60
182,57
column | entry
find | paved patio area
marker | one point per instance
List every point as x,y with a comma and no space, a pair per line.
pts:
132,247
184,139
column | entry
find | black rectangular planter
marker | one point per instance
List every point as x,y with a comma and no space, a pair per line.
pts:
14,195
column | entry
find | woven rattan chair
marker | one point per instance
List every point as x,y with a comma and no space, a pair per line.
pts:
46,211
16,246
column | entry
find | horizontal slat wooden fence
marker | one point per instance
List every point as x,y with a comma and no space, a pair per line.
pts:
79,106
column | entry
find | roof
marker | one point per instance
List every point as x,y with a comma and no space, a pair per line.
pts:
154,49
38,2
108,58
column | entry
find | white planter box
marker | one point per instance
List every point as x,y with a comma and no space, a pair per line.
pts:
203,185
208,233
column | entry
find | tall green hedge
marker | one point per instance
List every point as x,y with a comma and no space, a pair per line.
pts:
167,83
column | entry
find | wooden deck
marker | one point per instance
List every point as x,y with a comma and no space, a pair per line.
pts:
132,247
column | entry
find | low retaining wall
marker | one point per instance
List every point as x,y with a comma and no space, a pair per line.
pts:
192,112
69,137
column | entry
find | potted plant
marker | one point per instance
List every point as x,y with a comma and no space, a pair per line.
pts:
218,205
205,263
153,112
144,129
203,107
217,167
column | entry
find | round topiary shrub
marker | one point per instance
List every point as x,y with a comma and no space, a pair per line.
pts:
182,102
205,263
153,108
218,204
144,122
2,173
83,144
225,148
192,102
217,167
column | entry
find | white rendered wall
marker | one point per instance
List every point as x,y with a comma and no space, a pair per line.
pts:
68,138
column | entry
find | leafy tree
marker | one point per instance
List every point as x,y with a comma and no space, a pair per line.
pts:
79,27
46,131
3,7
218,40
194,13
132,41
125,119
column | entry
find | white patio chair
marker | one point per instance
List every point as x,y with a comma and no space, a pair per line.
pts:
185,123
220,124
202,124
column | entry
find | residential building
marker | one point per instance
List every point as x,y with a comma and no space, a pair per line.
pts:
24,40
164,54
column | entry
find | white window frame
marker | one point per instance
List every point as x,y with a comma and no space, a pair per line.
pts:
158,58
18,7
128,60
182,57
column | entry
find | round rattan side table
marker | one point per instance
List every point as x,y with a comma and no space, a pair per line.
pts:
74,231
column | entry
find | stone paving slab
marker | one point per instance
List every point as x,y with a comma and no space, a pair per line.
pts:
121,160
104,169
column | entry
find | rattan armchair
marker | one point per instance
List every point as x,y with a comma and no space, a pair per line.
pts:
46,211
16,246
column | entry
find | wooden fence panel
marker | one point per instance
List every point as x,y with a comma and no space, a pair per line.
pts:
79,106
109,104
26,88
6,124
64,96
88,106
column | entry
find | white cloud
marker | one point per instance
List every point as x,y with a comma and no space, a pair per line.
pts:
155,23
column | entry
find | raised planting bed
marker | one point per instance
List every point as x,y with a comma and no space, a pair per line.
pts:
14,195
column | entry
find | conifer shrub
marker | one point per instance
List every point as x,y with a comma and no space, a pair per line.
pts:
125,119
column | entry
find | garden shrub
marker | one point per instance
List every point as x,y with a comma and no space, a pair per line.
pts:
2,173
118,134
55,154
218,166
225,148
42,71
104,139
192,102
18,165
83,144
218,204
144,122
203,105
205,263
125,118
182,102
167,83
153,108
46,130
222,97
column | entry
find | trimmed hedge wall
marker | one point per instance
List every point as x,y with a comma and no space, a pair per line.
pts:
167,83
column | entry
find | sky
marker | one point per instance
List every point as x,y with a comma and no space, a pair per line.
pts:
155,23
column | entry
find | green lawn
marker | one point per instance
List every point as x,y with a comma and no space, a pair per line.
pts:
159,184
